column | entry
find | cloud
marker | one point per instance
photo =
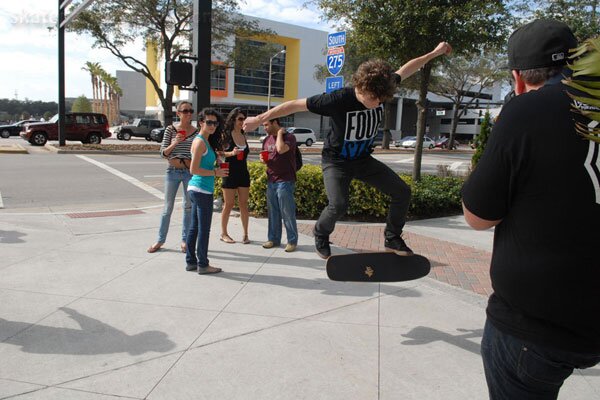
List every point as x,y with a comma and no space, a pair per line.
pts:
29,50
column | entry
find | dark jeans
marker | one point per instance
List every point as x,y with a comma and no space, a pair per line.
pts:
337,179
516,369
197,237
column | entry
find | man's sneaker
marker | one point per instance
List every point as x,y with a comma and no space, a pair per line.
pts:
398,246
191,267
290,247
268,245
208,270
322,246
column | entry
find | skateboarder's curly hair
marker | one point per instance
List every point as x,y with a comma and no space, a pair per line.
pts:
375,77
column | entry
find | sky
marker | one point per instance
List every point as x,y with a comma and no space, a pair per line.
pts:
29,49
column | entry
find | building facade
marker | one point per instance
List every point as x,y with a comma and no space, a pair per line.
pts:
292,76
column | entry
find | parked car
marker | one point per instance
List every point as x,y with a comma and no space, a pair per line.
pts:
141,127
411,141
14,129
442,143
157,134
303,135
85,127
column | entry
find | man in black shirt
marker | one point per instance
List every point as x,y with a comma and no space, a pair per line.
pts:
537,183
356,114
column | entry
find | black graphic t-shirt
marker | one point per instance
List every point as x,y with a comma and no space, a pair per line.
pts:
541,178
354,126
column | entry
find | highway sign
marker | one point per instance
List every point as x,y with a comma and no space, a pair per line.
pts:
336,39
335,60
333,83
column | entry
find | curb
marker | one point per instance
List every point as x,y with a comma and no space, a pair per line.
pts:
58,150
13,149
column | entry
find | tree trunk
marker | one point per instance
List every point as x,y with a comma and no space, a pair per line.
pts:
167,104
455,117
421,120
387,122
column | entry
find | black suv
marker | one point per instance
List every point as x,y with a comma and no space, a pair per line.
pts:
14,129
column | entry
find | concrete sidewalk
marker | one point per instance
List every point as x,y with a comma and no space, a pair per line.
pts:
86,313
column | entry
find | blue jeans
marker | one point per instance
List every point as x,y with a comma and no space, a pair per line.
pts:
281,206
516,369
173,177
197,237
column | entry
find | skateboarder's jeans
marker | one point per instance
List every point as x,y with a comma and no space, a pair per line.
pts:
197,237
337,178
516,369
281,206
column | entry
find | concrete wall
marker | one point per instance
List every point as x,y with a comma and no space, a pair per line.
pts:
133,85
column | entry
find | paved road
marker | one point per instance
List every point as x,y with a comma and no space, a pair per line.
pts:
42,181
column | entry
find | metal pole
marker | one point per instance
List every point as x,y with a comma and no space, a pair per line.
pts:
61,76
270,73
202,49
269,93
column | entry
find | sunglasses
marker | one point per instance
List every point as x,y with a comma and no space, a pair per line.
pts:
186,111
241,118
211,123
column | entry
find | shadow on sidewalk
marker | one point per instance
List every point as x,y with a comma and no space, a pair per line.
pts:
11,237
322,284
290,260
425,335
94,337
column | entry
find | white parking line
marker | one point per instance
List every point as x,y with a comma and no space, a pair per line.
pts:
455,166
1,202
405,160
126,177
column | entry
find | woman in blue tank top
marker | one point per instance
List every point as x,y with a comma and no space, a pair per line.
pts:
201,188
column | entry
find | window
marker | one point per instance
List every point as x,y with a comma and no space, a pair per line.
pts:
218,77
154,124
446,121
82,119
255,81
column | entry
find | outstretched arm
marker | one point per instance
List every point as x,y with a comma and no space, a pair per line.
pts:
287,108
415,64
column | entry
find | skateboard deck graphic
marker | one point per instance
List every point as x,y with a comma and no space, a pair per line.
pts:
377,267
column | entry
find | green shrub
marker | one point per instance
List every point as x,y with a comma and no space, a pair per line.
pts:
433,196
482,138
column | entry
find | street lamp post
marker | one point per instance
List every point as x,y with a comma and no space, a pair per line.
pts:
270,71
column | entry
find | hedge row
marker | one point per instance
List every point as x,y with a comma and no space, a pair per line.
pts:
433,196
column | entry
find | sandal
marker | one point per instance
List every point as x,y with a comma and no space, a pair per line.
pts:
227,239
246,240
154,248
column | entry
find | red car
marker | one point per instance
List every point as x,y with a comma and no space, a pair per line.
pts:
84,127
443,143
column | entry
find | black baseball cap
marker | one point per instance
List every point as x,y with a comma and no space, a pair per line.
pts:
541,43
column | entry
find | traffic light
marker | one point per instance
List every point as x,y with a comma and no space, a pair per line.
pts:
178,73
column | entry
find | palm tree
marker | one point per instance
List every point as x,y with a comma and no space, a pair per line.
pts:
114,92
586,65
93,68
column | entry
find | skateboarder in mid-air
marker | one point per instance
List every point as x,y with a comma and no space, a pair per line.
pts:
356,113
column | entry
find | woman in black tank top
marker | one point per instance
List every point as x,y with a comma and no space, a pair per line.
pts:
235,151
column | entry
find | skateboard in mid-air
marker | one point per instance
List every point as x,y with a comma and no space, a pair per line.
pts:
377,267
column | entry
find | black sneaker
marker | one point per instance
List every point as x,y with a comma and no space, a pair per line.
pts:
398,246
191,267
322,246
